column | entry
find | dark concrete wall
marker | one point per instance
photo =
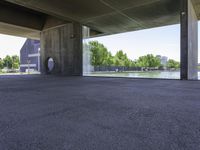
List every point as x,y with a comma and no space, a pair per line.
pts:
192,43
64,45
189,41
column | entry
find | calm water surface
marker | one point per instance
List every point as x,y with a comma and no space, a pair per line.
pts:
153,74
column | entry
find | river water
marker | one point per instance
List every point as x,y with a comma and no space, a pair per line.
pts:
152,74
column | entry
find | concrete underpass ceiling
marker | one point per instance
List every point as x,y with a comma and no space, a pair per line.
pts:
196,4
19,31
111,16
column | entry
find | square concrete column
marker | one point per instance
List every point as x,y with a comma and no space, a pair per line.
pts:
64,45
189,41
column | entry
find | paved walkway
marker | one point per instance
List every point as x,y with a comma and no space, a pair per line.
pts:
74,113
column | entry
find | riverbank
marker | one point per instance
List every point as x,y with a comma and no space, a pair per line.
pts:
141,74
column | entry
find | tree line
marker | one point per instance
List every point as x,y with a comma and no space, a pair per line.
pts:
10,62
100,56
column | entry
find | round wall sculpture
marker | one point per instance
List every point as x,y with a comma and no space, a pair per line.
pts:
50,64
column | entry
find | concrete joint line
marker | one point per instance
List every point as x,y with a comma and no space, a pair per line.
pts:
118,11
58,26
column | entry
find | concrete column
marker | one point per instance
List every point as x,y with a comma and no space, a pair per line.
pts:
64,45
189,41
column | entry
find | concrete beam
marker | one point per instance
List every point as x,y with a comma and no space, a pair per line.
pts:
19,31
189,41
64,45
20,21
19,16
52,22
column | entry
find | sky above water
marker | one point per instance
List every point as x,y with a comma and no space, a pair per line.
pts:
163,41
158,41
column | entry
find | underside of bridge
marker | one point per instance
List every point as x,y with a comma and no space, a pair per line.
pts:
58,24
75,113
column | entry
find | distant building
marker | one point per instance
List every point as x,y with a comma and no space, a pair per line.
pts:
163,59
30,56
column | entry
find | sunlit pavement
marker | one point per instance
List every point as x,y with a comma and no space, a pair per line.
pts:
87,113
19,74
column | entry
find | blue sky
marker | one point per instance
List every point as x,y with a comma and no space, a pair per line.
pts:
163,41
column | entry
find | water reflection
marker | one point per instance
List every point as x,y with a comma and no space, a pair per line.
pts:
153,74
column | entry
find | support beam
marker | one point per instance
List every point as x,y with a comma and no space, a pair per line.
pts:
20,21
20,16
64,45
189,41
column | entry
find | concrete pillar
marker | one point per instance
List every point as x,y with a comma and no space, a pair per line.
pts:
64,45
189,41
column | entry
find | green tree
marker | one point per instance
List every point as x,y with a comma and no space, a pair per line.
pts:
8,62
121,59
1,64
11,62
99,54
133,63
15,61
173,64
148,61
109,59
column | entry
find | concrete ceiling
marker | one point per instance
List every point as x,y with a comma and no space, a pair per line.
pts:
19,31
111,16
196,4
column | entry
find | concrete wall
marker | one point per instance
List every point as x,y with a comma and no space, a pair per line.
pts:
192,43
64,45
189,41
